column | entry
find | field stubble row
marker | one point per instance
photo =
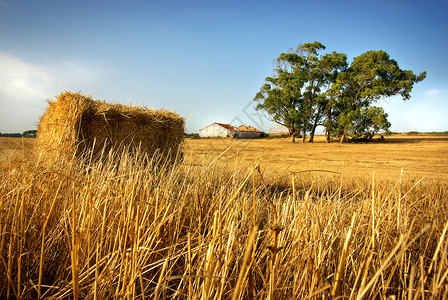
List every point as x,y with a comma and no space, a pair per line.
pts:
422,156
419,156
219,227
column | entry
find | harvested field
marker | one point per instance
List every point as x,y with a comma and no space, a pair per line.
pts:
218,227
419,156
15,150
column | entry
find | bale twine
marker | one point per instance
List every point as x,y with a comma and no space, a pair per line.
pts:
74,126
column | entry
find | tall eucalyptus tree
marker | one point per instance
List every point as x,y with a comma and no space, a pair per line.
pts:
308,89
372,76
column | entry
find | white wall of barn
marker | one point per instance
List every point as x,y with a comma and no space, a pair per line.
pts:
213,130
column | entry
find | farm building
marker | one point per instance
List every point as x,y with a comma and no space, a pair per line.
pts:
248,132
278,130
218,130
227,130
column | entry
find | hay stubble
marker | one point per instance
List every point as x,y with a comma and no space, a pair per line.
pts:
205,230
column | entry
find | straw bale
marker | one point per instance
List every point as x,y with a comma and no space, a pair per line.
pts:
75,125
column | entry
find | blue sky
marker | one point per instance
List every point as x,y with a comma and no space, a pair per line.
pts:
206,60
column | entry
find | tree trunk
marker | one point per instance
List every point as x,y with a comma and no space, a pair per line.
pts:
327,136
328,126
312,135
313,130
343,138
304,134
293,137
292,133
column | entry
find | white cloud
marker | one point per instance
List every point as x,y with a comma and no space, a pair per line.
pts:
24,87
422,113
435,92
19,80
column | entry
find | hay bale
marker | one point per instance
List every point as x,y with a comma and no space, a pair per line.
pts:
75,125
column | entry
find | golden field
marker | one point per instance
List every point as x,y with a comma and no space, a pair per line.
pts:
238,219
418,155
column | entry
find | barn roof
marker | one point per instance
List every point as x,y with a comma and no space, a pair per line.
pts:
248,129
279,129
227,126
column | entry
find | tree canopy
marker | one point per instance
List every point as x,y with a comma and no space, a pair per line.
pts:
308,89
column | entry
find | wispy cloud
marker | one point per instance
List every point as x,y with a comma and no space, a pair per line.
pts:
436,92
422,113
20,80
25,86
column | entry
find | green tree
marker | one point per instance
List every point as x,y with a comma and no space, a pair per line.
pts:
371,76
29,133
291,96
281,97
366,122
309,89
328,68
314,79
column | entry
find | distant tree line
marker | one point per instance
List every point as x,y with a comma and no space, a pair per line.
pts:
26,134
310,89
